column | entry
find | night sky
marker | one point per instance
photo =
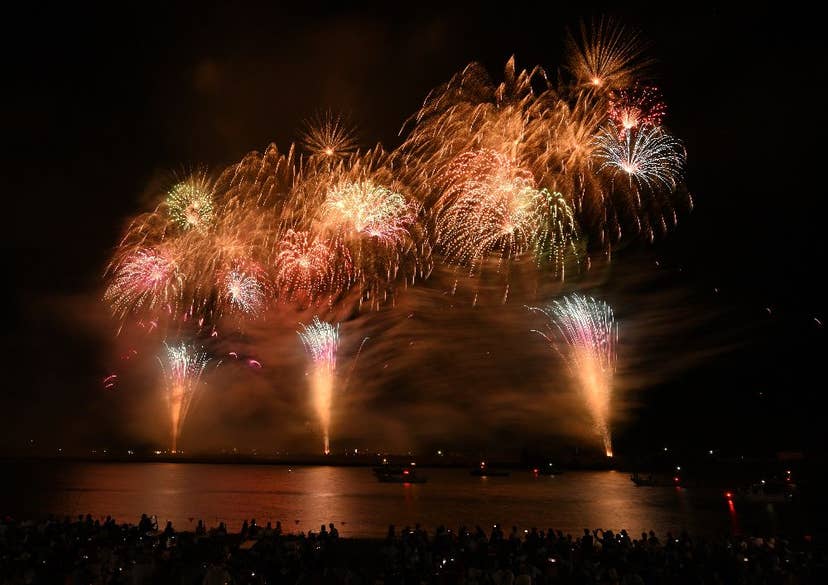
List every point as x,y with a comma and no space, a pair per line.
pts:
98,103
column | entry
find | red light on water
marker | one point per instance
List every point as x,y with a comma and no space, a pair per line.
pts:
729,495
405,472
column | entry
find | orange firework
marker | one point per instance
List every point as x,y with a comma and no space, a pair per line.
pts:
328,136
489,205
606,56
309,268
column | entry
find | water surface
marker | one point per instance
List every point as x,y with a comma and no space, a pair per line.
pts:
302,498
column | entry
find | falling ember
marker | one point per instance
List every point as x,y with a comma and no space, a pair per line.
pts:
182,366
321,341
588,332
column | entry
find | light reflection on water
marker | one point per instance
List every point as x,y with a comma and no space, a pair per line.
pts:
305,497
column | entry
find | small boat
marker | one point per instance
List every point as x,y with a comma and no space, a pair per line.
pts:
398,474
548,469
484,471
770,491
642,481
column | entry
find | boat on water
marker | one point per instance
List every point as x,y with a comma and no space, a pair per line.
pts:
484,470
548,469
765,492
398,474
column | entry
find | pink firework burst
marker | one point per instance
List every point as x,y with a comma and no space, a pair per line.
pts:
146,279
635,107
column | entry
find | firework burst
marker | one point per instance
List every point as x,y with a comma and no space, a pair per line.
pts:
641,105
190,203
310,267
321,340
145,279
328,136
244,289
490,205
182,366
368,210
362,211
583,331
605,55
648,156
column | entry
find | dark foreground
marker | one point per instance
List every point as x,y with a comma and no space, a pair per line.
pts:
89,551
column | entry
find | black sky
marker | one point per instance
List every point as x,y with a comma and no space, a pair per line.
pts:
98,102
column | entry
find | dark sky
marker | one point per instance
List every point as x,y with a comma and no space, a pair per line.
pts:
99,102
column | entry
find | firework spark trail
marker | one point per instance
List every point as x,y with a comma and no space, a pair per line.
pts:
321,341
583,331
182,366
353,364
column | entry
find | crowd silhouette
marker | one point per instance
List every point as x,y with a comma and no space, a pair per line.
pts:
92,551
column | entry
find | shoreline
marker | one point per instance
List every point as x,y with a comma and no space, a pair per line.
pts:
302,461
